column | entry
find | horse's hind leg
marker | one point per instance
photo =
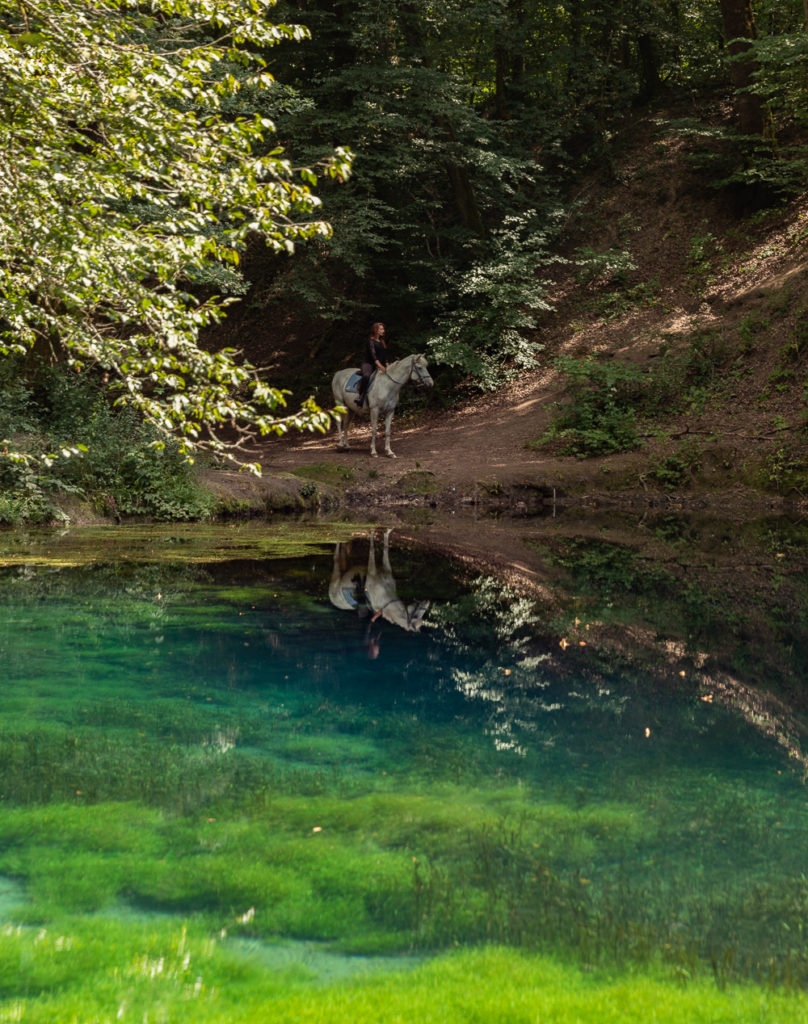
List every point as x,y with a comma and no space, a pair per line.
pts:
372,554
386,552
374,423
342,429
388,422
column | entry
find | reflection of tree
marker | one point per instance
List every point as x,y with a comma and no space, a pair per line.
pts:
522,683
605,677
487,612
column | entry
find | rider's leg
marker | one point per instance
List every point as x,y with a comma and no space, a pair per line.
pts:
364,381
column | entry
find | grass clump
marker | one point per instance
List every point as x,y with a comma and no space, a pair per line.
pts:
785,471
419,481
677,469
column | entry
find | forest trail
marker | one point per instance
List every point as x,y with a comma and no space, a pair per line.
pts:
723,296
483,442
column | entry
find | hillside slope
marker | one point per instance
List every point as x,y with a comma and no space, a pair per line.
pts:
693,312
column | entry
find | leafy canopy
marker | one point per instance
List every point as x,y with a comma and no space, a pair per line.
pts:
129,173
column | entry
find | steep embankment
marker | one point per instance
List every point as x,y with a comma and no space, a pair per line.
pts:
694,316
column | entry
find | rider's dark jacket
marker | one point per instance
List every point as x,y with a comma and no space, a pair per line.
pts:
376,351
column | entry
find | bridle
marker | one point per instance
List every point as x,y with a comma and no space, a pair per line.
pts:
415,365
408,615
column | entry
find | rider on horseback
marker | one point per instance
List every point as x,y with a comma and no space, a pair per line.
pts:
375,358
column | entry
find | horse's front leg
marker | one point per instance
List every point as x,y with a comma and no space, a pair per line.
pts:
374,422
388,420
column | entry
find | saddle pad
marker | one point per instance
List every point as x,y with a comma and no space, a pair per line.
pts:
353,382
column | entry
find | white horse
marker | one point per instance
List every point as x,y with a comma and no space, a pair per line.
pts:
358,587
382,397
347,587
380,590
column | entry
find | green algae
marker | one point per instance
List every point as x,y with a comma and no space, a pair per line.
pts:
396,871
235,781
177,543
103,970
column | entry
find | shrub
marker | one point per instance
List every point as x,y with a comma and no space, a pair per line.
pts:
601,415
493,309
73,441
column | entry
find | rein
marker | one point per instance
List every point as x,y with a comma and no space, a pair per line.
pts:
397,600
401,383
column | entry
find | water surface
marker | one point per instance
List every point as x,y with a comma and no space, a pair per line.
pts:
320,767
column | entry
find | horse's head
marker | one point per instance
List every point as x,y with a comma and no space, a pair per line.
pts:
419,374
415,615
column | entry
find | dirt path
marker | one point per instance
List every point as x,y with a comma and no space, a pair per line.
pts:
482,444
466,483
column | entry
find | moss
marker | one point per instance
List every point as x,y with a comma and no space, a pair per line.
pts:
418,481
326,473
232,507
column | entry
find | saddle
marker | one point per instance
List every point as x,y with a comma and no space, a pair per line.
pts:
353,381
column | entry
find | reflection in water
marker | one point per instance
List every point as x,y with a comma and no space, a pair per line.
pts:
599,774
370,590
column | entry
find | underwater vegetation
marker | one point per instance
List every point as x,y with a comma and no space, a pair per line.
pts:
106,970
213,806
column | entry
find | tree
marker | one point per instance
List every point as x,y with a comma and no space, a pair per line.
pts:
739,27
130,182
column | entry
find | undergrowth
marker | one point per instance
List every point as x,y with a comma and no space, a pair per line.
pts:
611,402
72,442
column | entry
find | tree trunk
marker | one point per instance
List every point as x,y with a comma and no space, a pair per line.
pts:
466,198
649,64
509,61
739,28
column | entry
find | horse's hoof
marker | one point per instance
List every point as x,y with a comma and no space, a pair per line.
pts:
391,455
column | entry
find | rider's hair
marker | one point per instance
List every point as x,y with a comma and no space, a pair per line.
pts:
374,331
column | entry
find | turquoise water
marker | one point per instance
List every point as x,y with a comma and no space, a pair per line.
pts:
193,734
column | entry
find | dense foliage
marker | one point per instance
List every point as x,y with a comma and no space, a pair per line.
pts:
470,121
141,172
132,174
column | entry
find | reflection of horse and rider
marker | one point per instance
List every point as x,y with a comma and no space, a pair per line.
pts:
371,591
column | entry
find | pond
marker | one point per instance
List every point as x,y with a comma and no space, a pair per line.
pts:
321,773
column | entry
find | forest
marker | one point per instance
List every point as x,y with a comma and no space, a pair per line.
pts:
204,204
